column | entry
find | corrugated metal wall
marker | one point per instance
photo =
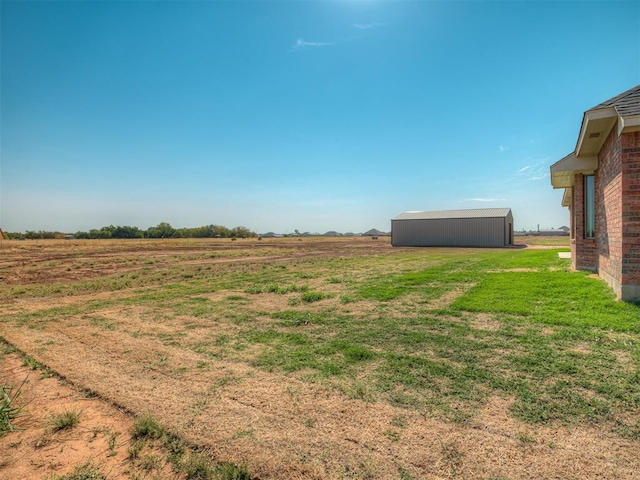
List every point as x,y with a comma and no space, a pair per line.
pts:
452,232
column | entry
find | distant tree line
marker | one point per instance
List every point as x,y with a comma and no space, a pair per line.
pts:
162,230
33,235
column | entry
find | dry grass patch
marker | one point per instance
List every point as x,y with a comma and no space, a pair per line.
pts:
580,349
625,359
484,321
449,297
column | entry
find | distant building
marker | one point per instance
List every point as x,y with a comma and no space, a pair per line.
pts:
553,232
374,233
486,227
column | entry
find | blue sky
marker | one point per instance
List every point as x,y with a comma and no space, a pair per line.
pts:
308,115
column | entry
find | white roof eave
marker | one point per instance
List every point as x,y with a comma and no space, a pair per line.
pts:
599,123
563,171
629,123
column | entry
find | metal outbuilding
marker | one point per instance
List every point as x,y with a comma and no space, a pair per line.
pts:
483,227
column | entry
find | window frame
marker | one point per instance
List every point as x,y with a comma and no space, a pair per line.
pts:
589,206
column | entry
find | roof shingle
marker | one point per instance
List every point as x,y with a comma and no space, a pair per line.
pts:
626,104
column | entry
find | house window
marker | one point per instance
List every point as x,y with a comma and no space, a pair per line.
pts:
589,207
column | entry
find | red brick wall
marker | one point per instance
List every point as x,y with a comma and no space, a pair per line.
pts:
608,201
583,251
630,157
615,251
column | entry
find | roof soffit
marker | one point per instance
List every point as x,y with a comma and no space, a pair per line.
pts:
596,125
563,171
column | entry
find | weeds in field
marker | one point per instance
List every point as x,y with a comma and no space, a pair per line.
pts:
451,455
310,297
404,473
230,471
525,438
399,421
147,427
150,462
392,435
31,363
196,465
277,289
136,447
335,280
112,443
176,448
86,471
104,323
65,420
9,408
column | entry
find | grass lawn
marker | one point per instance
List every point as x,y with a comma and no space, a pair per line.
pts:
554,340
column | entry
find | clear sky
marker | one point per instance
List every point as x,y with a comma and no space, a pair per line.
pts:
308,115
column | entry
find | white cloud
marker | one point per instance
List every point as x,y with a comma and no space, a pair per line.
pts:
367,26
300,44
535,171
502,148
540,177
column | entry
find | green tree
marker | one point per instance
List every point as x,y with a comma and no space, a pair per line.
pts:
242,232
106,232
162,230
127,232
220,231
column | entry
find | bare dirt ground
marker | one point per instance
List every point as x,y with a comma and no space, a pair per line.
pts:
35,450
278,426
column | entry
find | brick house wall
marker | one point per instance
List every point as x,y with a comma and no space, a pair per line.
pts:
608,207
630,158
614,253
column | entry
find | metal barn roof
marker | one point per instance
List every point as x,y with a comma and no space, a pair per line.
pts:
471,213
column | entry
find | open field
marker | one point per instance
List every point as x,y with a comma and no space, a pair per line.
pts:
316,358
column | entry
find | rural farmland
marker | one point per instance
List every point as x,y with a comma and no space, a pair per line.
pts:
315,358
